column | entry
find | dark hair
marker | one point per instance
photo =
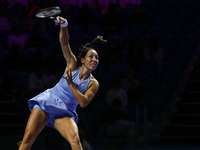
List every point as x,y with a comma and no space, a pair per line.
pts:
89,46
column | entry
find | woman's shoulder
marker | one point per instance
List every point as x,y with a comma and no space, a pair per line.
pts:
94,81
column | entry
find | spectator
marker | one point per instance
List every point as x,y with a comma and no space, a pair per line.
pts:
132,87
69,3
117,92
54,60
129,3
112,55
12,3
153,53
115,123
21,18
46,3
17,36
54,78
4,23
4,8
135,54
37,59
37,40
90,3
111,21
139,17
33,21
85,18
15,60
38,80
103,5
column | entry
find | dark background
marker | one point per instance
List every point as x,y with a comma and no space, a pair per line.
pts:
165,109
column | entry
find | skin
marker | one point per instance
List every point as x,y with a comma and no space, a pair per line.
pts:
66,126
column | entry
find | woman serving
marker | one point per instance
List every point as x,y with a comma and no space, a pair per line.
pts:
56,107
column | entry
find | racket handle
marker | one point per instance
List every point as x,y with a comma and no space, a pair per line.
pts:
55,19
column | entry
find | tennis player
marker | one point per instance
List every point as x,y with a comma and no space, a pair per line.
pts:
56,107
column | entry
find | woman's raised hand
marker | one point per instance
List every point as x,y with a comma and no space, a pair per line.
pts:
60,20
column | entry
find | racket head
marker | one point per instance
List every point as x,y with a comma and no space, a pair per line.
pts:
48,13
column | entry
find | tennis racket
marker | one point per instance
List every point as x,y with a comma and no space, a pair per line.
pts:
49,13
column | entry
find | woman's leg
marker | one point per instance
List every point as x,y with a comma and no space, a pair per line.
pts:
36,122
69,130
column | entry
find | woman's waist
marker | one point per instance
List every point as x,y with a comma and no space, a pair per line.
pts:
66,97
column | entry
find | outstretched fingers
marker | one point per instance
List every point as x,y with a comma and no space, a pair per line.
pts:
68,77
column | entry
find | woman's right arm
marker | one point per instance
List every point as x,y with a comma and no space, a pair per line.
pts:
65,46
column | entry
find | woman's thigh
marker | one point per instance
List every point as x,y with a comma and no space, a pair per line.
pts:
67,127
36,122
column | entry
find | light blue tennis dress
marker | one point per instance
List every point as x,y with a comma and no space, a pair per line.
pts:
59,101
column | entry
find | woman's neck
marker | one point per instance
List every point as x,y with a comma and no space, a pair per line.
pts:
84,74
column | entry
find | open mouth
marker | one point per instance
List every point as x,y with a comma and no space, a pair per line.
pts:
94,65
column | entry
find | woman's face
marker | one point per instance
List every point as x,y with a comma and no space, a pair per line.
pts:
91,60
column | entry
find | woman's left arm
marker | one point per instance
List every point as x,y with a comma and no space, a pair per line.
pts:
85,99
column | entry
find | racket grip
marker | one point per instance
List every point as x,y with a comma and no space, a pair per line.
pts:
56,20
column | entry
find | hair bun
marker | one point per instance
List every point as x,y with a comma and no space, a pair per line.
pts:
98,39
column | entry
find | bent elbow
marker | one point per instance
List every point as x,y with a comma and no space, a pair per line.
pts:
83,105
84,102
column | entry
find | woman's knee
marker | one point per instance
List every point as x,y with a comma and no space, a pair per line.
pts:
75,139
27,141
69,130
29,137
